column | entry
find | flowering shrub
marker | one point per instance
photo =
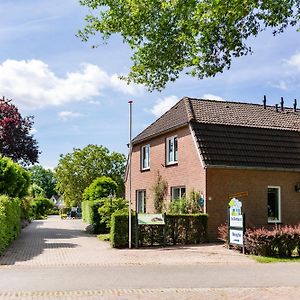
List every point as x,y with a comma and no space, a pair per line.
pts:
280,241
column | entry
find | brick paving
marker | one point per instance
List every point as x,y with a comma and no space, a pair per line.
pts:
63,243
56,242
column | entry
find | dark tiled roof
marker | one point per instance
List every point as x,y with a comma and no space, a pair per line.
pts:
173,118
235,133
236,146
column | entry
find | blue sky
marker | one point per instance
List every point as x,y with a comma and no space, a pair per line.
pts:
74,92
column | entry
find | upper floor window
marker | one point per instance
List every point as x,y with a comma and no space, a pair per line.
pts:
172,150
145,157
274,204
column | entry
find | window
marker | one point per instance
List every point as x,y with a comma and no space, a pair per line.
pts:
177,192
141,201
145,157
274,209
172,150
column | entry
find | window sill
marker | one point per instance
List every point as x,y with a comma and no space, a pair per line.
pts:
171,164
274,222
145,170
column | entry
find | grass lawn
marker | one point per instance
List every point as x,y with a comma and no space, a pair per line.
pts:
103,237
266,260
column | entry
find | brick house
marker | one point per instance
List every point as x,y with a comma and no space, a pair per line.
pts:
221,149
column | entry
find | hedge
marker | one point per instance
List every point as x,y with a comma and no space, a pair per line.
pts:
179,229
91,216
279,242
10,220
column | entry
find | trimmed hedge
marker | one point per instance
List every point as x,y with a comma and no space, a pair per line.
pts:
91,216
179,229
10,220
279,242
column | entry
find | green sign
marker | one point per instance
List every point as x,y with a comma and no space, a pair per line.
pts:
150,219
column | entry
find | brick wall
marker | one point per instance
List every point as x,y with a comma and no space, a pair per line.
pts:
221,182
188,172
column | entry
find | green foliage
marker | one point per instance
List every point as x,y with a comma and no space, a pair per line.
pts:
77,170
189,205
119,228
101,187
91,216
160,190
25,208
108,207
14,179
36,191
44,178
39,207
179,229
200,37
10,217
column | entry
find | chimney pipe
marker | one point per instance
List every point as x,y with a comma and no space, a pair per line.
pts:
265,102
281,103
276,106
295,105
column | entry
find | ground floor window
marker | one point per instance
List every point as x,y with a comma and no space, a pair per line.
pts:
177,192
274,204
141,201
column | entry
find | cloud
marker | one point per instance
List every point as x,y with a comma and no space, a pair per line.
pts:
33,130
294,61
33,84
212,97
65,115
163,104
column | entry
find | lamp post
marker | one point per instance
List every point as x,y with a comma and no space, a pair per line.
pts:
129,172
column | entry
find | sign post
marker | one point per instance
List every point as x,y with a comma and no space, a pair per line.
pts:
236,221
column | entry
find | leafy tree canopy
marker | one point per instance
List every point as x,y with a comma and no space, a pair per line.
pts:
16,141
200,37
43,178
14,179
101,187
77,170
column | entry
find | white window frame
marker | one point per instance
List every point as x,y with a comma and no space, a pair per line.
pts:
144,195
279,205
145,167
180,193
171,159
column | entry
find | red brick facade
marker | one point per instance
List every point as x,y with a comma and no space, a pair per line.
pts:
188,172
215,183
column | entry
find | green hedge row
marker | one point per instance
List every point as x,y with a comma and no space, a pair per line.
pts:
179,229
10,220
91,216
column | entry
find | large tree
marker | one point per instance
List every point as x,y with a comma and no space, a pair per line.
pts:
77,170
16,140
200,37
44,178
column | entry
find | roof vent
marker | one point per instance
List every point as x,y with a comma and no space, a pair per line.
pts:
295,105
265,102
281,103
276,106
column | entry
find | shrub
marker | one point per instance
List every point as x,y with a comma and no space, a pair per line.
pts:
178,206
223,233
119,228
39,207
160,190
14,179
108,207
10,220
91,216
279,242
101,187
179,229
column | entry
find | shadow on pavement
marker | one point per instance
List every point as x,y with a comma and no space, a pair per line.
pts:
35,239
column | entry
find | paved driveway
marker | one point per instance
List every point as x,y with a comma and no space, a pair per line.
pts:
56,259
56,242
